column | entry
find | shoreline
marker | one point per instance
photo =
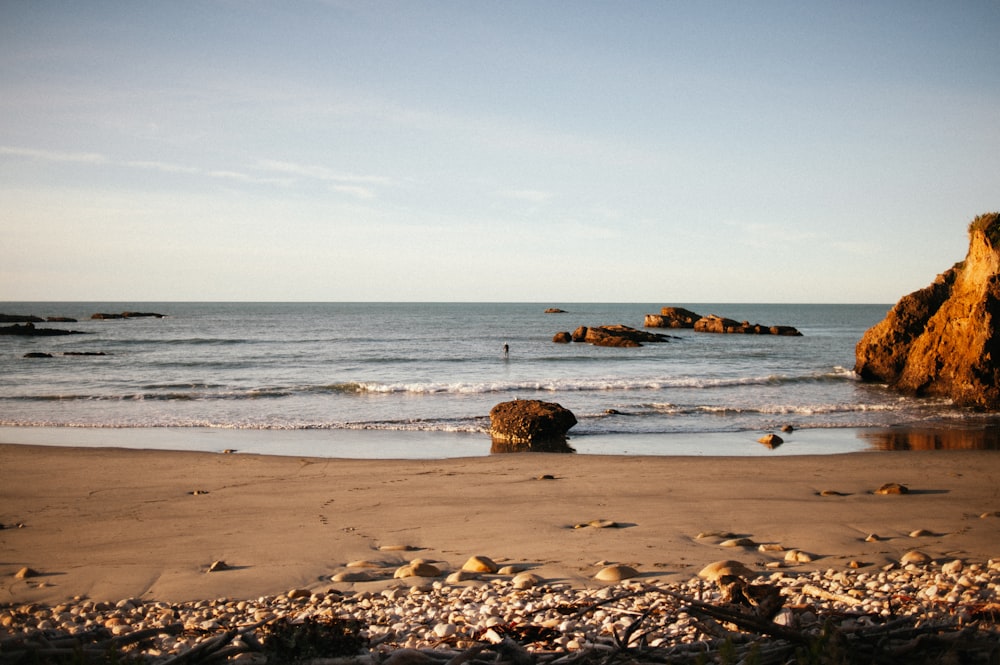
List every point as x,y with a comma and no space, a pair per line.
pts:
393,444
113,523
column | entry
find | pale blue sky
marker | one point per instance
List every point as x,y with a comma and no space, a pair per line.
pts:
544,151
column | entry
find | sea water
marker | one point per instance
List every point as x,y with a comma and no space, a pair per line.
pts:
419,379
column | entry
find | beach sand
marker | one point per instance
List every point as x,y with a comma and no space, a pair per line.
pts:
109,523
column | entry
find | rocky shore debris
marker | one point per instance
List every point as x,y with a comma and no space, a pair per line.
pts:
679,317
730,612
530,426
941,340
615,335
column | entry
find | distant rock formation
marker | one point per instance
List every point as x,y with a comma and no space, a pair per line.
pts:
20,318
127,315
678,317
29,330
672,317
613,335
530,425
555,310
944,339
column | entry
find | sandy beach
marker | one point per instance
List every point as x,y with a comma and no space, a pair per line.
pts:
107,524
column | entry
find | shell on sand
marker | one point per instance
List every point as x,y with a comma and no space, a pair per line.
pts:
717,569
480,564
616,573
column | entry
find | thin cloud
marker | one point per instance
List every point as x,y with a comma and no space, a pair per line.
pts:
320,173
359,186
55,155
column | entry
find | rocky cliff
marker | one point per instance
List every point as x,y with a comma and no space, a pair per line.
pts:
944,339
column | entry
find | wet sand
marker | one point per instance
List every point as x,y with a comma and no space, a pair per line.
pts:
111,523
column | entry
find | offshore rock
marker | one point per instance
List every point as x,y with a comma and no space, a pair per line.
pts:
944,340
616,335
678,317
672,317
29,330
20,318
530,426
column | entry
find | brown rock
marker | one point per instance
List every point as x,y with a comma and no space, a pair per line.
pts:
621,336
480,564
943,340
530,425
672,317
562,338
893,488
771,440
678,317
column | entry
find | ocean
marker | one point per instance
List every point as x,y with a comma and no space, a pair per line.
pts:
419,379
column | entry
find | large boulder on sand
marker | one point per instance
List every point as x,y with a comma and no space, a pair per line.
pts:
530,425
944,339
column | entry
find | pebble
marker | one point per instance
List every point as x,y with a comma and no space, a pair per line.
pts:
616,573
437,614
797,556
915,557
480,564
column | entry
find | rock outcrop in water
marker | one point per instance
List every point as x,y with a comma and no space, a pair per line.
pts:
944,340
29,330
612,335
678,317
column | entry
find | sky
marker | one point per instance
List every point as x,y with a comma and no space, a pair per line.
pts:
462,150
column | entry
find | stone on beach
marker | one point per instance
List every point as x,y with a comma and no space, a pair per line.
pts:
480,564
725,567
616,573
526,580
893,488
738,542
771,440
915,557
798,556
417,568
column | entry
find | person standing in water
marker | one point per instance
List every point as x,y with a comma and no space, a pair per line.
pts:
506,350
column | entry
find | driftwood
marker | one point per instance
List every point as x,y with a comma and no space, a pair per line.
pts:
741,631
